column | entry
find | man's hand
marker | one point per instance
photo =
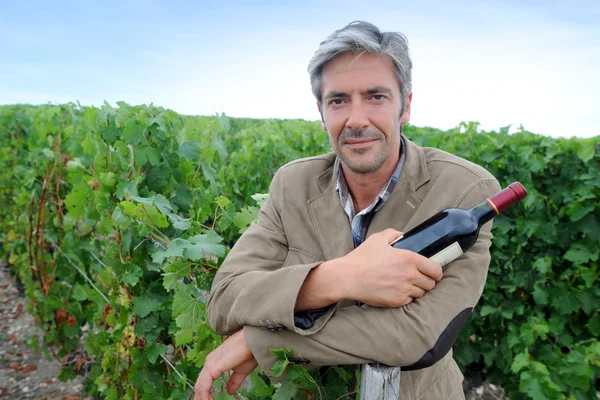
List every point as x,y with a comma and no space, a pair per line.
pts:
383,276
234,354
374,273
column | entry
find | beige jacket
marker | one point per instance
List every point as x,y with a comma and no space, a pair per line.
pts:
303,224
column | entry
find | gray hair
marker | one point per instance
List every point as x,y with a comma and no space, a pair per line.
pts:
363,37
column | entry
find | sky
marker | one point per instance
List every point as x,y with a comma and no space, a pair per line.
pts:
532,63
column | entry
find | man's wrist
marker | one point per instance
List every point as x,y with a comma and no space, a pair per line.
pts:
323,286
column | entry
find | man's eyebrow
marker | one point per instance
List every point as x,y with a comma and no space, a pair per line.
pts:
375,90
331,95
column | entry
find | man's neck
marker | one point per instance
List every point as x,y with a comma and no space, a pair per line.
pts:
365,188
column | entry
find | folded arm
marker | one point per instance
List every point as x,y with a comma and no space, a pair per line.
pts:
261,285
404,336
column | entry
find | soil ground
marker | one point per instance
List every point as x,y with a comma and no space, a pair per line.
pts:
24,373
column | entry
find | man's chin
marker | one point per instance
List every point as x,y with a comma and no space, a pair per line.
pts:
362,166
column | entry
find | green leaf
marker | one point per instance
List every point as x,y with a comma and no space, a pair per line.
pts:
566,303
74,164
531,386
591,227
147,154
540,296
487,310
182,300
184,336
578,211
175,271
279,367
133,132
125,188
204,245
188,313
594,325
154,214
154,351
162,203
259,386
129,208
536,163
191,150
194,248
79,292
119,217
521,361
144,305
129,274
158,177
287,391
87,145
508,314
260,198
48,153
153,156
586,153
245,217
219,145
282,353
158,200
175,248
222,201
183,198
77,201
178,222
109,133
580,254
543,265
589,302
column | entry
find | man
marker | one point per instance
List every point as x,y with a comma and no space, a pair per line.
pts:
316,272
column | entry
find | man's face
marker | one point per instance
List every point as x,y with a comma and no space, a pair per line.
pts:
361,109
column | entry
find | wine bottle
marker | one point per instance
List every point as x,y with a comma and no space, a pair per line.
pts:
449,233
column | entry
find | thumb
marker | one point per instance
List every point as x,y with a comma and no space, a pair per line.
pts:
392,235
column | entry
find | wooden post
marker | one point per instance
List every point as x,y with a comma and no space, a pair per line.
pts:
379,382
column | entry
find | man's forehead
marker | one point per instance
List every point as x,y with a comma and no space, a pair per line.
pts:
365,73
353,60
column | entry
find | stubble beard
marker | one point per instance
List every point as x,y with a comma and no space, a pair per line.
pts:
379,157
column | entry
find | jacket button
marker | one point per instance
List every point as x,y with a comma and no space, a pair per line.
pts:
275,327
299,360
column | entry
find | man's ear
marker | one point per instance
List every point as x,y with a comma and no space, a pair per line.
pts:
406,116
323,126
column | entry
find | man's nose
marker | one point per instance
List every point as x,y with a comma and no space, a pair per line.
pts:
358,118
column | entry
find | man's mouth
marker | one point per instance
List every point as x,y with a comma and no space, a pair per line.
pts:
359,143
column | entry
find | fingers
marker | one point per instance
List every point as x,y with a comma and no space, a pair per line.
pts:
429,268
425,282
391,235
407,301
416,292
235,380
204,385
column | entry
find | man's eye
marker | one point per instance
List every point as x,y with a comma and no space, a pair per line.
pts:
378,97
337,102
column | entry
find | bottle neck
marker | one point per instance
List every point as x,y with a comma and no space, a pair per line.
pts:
499,202
484,212
509,196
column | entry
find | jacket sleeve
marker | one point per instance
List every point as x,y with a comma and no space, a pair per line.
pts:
412,336
258,284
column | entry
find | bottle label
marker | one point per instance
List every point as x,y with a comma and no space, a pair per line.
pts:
447,255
